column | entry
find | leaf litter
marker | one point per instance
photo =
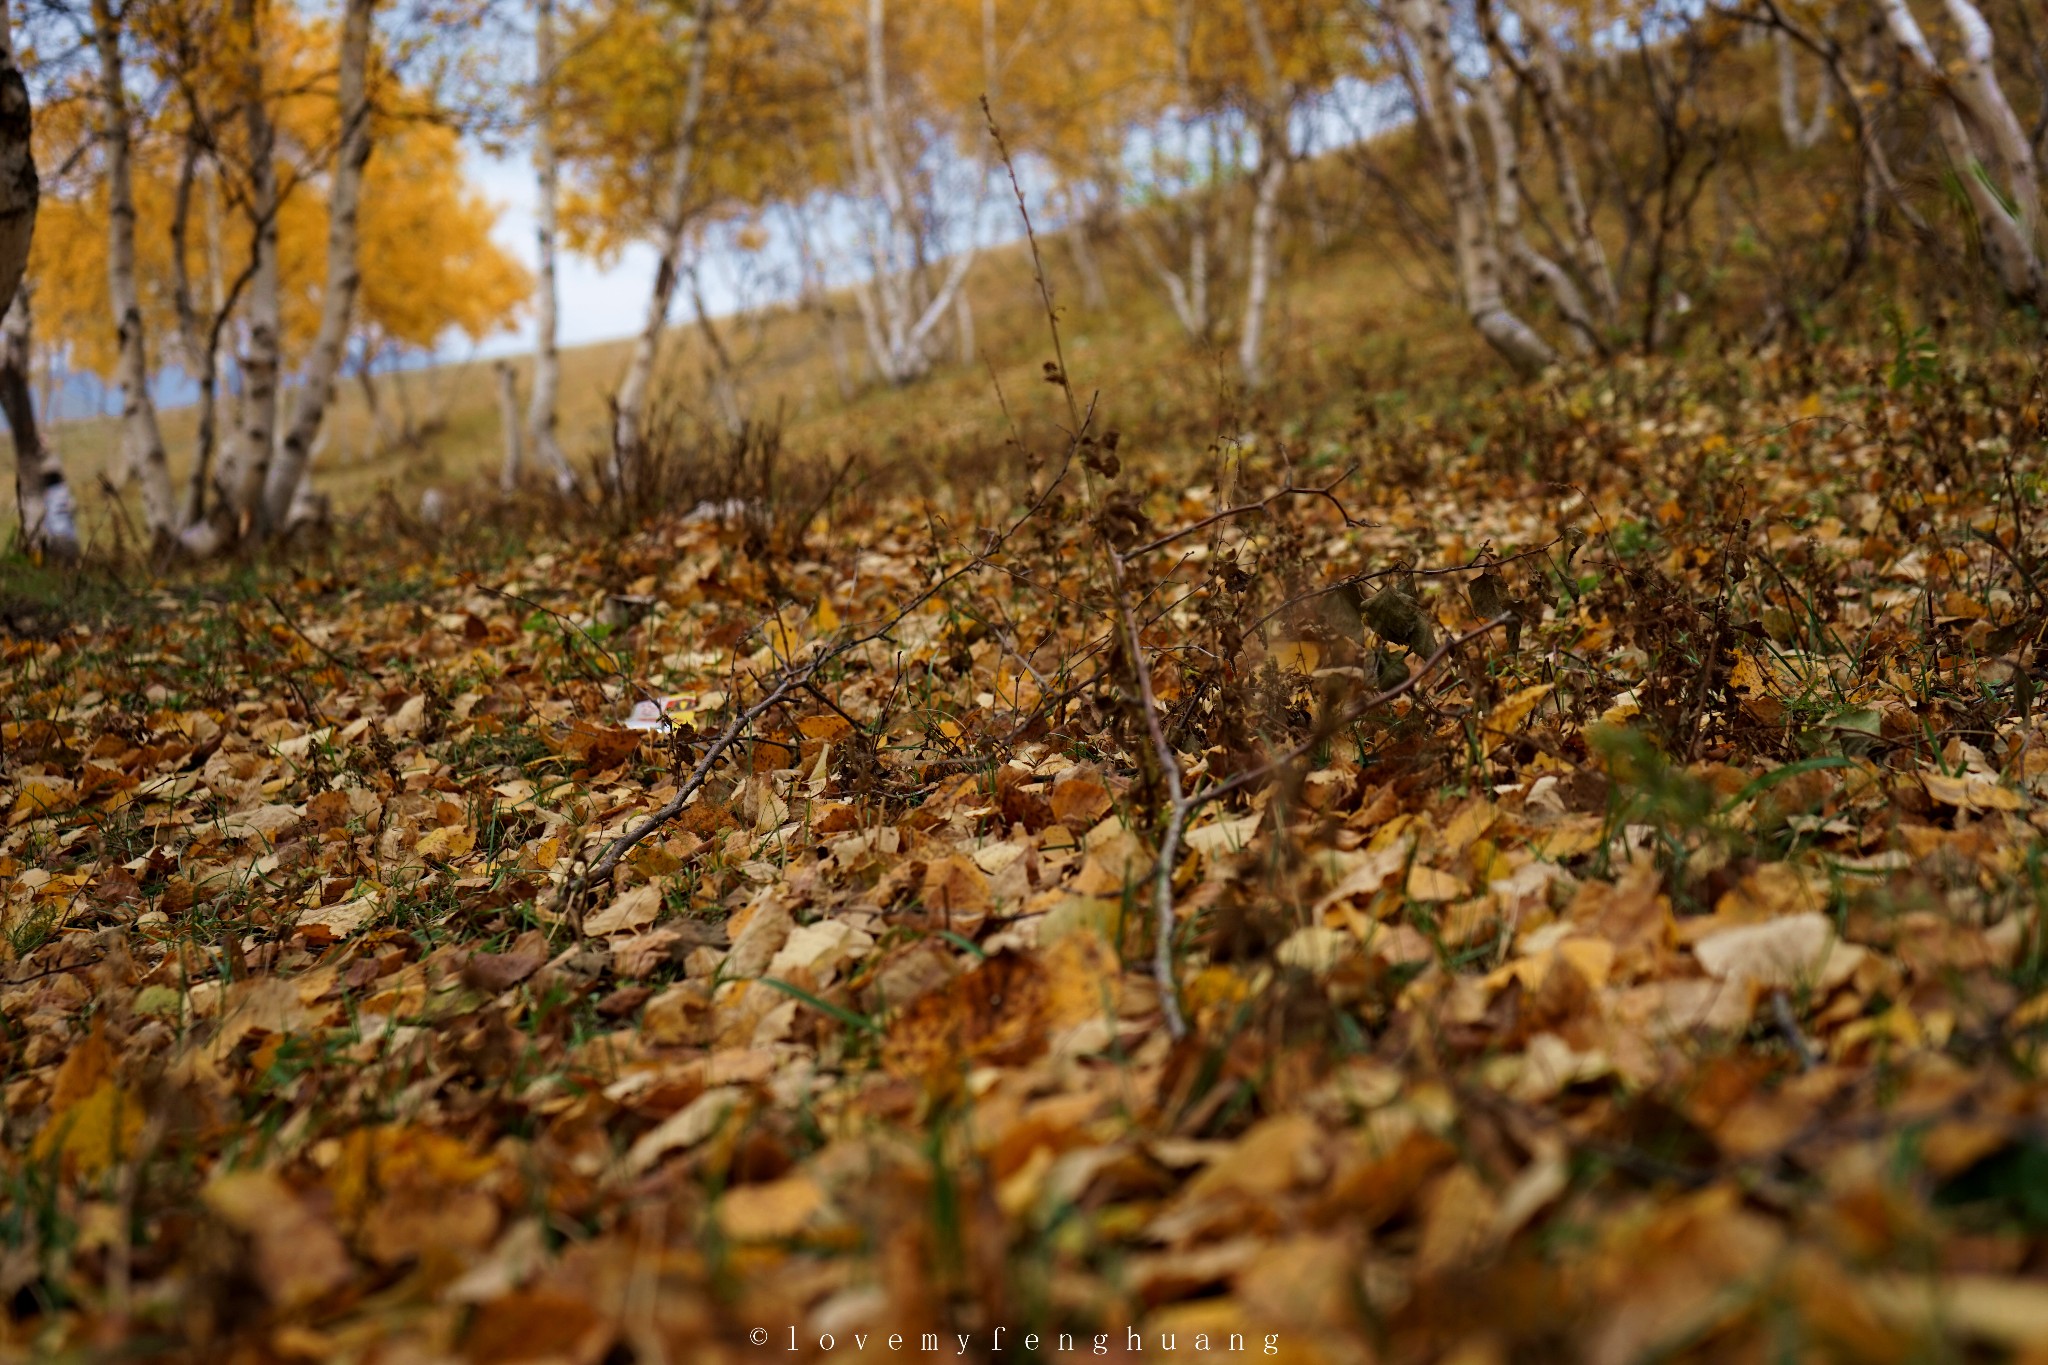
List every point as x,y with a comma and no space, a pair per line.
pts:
1605,921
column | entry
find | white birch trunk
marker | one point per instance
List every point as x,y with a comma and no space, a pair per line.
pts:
2009,241
142,441
900,306
542,416
1983,99
1275,155
288,469
1259,262
630,411
1542,74
1478,258
49,521
1187,291
245,460
1801,131
1508,192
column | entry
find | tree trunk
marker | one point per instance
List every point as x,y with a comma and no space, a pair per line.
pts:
631,406
382,435
1478,257
199,341
547,361
508,410
49,521
344,272
1259,264
20,191
1187,291
1508,193
900,306
1542,75
1800,132
1976,87
1270,125
2010,242
245,461
141,439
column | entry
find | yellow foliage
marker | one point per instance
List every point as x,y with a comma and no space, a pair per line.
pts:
428,261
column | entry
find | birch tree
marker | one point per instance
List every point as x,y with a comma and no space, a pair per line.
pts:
1801,130
1536,269
1984,143
245,461
344,274
905,292
1540,72
630,407
547,361
142,443
42,496
1448,130
20,190
1274,93
198,346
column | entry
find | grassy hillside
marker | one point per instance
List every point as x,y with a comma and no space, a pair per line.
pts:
1363,317
1351,307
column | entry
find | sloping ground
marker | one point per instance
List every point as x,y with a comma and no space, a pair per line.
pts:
1657,974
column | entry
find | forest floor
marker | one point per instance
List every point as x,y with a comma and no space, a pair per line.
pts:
1604,896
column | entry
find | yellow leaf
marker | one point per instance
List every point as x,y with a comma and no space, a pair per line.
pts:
1950,791
446,842
1299,656
778,1209
94,1134
1429,884
40,797
1507,717
824,618
633,910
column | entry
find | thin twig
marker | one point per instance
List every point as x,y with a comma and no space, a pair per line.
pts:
1326,491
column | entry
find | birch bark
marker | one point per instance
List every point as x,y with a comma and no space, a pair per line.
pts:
542,416
2008,229
1478,257
1259,263
344,273
20,191
630,409
1508,192
1542,74
48,513
142,440
900,305
245,460
1275,156
1801,132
